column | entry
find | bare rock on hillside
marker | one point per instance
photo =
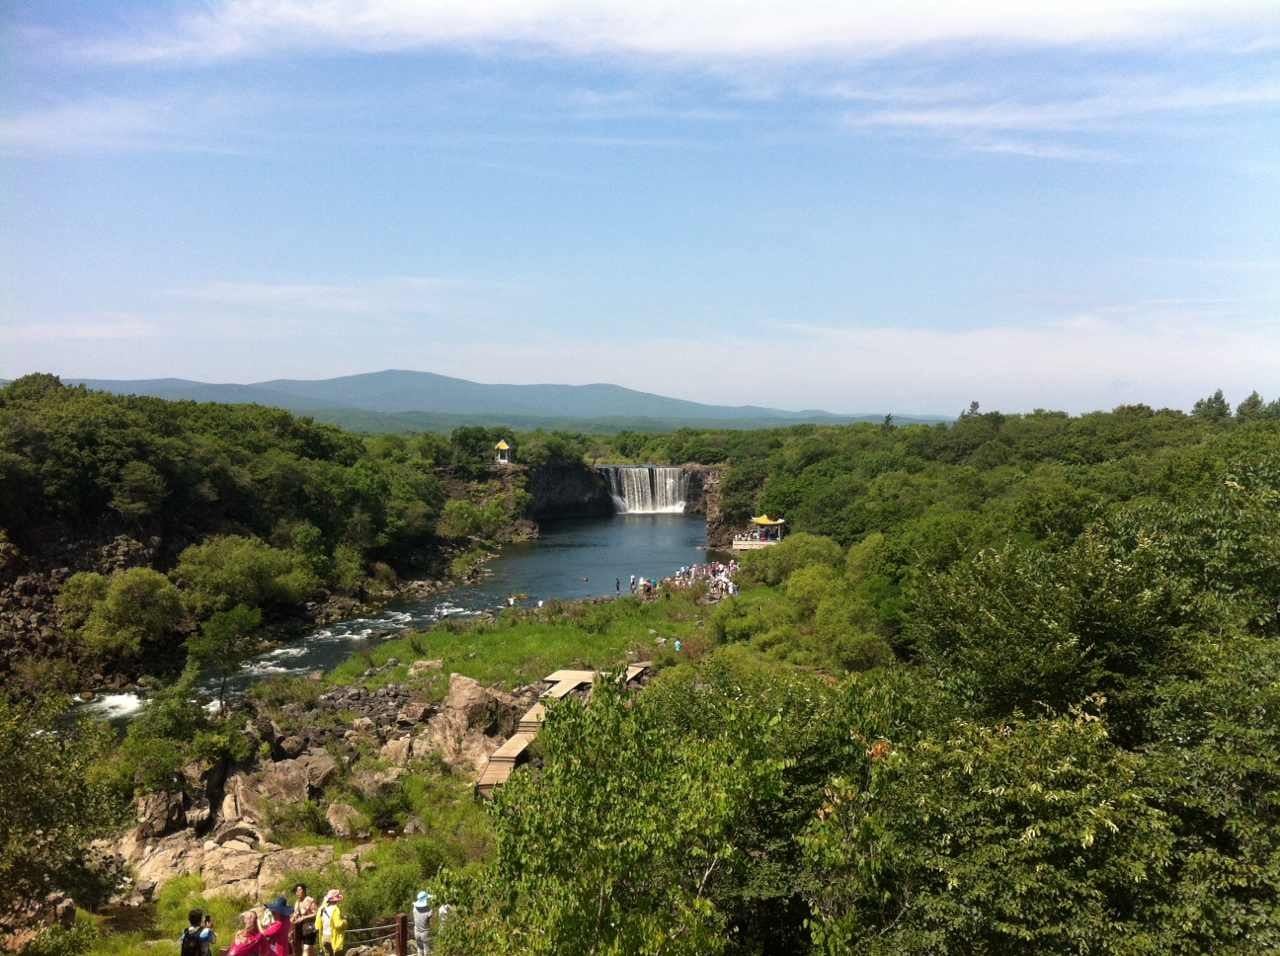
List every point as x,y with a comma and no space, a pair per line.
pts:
162,860
397,751
231,870
471,724
357,861
414,712
242,800
344,820
286,781
320,768
276,867
423,668
159,813
373,783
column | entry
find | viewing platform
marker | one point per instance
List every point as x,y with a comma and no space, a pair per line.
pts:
562,683
765,532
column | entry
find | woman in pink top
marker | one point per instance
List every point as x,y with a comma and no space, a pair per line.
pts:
278,937
248,941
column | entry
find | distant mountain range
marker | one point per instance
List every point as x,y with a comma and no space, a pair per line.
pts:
399,401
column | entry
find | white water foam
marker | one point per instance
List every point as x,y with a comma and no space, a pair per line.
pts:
114,706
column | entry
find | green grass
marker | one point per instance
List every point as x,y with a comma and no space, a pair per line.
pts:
520,647
175,899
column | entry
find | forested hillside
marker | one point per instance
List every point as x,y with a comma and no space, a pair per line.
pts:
1011,685
171,512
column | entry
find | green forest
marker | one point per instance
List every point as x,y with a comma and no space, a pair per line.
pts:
1011,684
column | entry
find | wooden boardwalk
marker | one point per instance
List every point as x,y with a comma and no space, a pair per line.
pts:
562,683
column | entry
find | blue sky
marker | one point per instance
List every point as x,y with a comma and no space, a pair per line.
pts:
801,205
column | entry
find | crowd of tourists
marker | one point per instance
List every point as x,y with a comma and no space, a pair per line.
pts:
308,927
717,575
759,534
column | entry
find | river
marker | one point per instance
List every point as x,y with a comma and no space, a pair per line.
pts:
571,559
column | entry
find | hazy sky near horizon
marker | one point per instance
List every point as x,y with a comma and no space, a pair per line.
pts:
857,207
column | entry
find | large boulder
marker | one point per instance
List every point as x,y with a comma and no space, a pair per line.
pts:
243,800
344,820
285,781
472,723
279,866
413,712
159,813
374,783
489,711
397,751
319,767
356,861
231,870
157,862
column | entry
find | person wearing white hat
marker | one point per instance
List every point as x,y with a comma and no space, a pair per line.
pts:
422,914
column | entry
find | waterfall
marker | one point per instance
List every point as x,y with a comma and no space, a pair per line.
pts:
647,489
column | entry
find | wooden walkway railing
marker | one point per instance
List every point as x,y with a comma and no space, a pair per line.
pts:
395,932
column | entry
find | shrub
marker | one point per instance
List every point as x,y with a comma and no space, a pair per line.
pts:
124,612
348,568
227,570
810,585
775,564
79,596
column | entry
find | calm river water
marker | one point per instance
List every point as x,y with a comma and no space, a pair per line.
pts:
572,559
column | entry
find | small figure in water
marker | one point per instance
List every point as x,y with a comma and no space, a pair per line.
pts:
617,585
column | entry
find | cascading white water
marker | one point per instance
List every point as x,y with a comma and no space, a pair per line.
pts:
647,489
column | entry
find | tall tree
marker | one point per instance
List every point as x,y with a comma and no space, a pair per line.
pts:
1213,407
225,642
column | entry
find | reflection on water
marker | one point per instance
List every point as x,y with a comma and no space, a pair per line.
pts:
572,559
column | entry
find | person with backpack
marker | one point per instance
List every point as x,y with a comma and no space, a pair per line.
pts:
197,938
331,924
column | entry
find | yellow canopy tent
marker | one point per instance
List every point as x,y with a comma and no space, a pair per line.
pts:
502,445
766,522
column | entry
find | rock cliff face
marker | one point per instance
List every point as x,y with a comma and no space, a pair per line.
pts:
567,491
704,499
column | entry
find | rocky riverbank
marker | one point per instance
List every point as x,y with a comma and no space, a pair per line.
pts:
37,652
217,821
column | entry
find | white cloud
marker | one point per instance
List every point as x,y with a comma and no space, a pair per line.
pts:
1044,150
98,123
106,327
177,122
682,28
1100,111
366,297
